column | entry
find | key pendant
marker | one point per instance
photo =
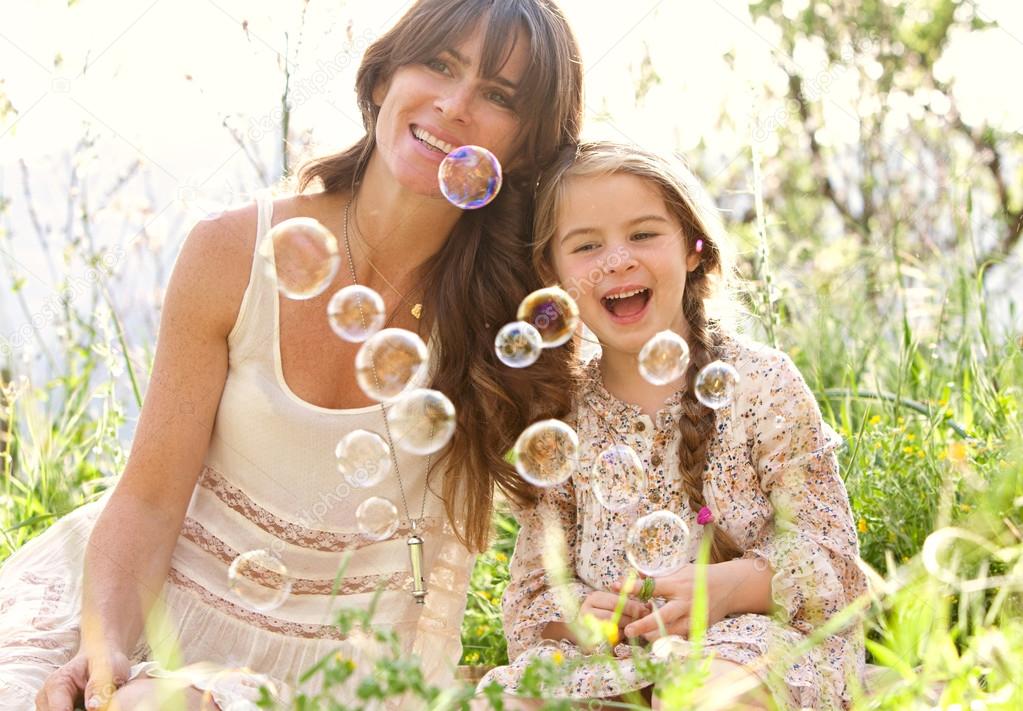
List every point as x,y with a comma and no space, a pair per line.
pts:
415,552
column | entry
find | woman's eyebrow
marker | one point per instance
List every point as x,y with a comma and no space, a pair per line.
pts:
466,62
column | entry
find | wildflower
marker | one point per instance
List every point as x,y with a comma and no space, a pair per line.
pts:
480,630
965,508
910,437
500,557
957,452
908,450
875,420
610,630
862,525
558,658
472,657
920,454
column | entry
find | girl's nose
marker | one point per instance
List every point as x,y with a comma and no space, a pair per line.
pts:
620,261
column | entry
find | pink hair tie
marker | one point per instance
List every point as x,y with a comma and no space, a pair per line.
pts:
699,245
704,516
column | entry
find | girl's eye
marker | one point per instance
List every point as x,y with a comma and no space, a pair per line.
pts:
437,65
584,248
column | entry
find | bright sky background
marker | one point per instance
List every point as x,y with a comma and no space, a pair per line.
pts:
156,80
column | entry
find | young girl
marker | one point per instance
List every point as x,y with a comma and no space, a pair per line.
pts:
638,244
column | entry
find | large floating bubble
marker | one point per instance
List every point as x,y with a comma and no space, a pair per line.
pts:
356,312
422,421
390,362
547,453
664,358
305,255
363,458
657,544
259,579
552,312
617,477
470,177
518,344
716,384
377,518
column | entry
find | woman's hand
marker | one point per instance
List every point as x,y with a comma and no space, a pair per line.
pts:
92,680
737,586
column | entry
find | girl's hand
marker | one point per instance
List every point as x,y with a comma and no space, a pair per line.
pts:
602,605
677,590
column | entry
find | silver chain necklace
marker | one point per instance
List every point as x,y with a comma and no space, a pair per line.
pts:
415,541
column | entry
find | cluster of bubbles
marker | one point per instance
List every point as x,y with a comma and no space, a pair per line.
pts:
302,255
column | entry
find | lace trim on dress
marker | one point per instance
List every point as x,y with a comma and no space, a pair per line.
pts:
316,539
200,536
254,619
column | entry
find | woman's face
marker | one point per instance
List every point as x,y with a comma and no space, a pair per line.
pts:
429,109
622,253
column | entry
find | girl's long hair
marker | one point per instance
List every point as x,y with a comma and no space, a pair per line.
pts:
706,302
472,286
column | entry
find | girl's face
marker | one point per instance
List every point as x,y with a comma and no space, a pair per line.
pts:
428,109
622,254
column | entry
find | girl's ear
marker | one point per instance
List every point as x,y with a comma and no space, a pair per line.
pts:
692,260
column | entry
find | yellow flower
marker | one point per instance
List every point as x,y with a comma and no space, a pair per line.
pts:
910,437
862,525
965,508
500,557
472,657
875,420
907,450
558,658
480,630
957,452
920,454
610,632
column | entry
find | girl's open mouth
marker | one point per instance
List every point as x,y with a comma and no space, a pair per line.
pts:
627,304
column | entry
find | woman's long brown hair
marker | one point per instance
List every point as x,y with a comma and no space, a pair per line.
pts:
472,286
706,286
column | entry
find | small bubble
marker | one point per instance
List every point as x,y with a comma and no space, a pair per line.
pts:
377,518
259,579
304,255
518,344
657,544
356,312
389,362
716,384
363,458
552,312
664,358
546,453
422,421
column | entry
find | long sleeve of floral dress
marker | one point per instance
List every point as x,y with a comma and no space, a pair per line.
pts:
532,599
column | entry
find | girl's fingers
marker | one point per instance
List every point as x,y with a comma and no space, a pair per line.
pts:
666,614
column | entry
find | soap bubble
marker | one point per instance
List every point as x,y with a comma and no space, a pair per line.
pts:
552,312
672,646
716,384
259,579
305,255
356,312
664,358
377,518
518,344
389,362
470,177
657,544
546,453
617,478
363,458
422,421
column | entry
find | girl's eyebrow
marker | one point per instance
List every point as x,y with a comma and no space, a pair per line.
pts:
635,221
465,62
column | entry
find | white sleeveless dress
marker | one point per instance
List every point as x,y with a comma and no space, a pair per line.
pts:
270,481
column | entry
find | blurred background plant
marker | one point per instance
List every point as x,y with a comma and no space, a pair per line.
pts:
867,157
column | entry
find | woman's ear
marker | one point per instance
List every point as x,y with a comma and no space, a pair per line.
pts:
380,91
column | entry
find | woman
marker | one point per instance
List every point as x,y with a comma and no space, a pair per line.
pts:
250,393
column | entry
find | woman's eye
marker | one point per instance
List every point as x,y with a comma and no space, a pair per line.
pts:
500,98
644,235
437,65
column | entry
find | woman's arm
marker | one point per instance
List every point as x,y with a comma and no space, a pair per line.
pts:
129,551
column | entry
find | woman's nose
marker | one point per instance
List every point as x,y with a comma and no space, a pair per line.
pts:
456,104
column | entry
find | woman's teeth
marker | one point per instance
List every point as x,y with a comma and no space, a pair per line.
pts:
431,141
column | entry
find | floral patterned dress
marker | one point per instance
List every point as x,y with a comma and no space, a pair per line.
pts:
771,481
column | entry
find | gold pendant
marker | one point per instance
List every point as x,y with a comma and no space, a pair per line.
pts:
415,552
417,310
